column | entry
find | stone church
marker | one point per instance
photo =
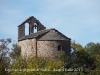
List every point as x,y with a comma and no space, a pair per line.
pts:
42,43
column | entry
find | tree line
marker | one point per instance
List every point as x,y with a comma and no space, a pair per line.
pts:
82,61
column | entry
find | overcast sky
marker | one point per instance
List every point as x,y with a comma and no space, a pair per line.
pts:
77,19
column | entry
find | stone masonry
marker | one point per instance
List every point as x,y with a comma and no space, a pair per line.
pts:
43,43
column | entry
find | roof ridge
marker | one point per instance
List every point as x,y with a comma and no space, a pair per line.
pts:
42,32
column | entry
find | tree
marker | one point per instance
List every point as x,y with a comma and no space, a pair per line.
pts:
94,50
81,58
38,66
76,46
4,59
16,51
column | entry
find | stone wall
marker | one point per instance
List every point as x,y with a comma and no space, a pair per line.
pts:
28,47
50,48
31,47
21,31
47,48
31,21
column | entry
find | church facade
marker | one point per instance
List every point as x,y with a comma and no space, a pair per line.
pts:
44,42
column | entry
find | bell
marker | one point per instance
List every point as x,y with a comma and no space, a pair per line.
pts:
35,26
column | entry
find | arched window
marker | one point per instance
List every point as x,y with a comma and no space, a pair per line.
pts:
59,47
35,27
26,28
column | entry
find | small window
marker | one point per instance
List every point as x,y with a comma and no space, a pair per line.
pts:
26,28
59,47
35,27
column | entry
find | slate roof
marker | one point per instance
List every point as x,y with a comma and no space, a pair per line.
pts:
46,34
